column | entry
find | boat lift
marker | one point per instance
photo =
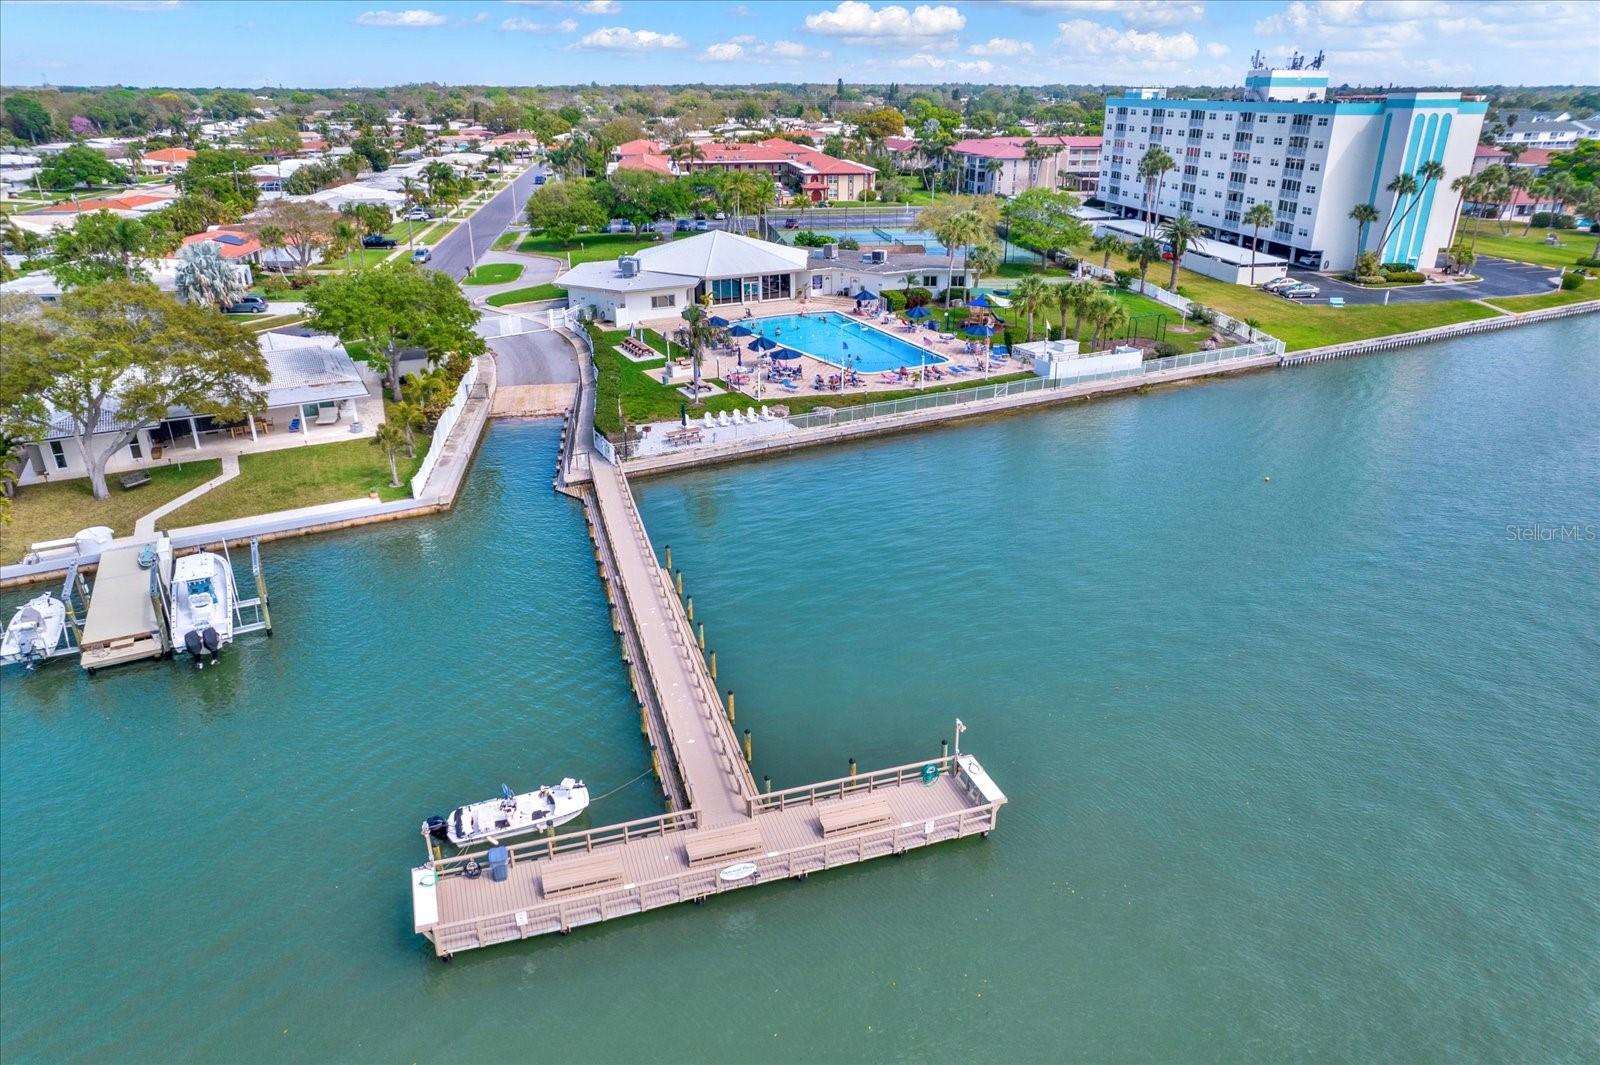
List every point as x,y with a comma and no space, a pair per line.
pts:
250,615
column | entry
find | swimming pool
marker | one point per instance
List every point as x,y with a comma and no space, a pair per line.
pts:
831,337
895,235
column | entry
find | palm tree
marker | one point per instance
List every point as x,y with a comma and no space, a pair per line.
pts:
955,232
1517,180
991,168
1153,167
1113,318
1562,189
1106,243
1034,153
1144,251
1257,216
1463,188
695,335
1539,186
1403,186
1363,215
1099,310
1182,233
407,416
1430,172
1075,298
346,238
390,438
1030,297
1589,203
982,259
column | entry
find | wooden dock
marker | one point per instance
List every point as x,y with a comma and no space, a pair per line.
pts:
127,618
721,832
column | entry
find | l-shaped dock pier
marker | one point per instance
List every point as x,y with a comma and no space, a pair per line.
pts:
722,832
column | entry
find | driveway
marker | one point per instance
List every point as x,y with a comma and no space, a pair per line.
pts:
456,254
1498,277
543,357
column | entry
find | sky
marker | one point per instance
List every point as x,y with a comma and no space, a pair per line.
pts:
194,43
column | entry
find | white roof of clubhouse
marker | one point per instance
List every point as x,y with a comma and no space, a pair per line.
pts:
703,257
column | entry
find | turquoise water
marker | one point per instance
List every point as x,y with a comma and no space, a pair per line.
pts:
834,338
1299,770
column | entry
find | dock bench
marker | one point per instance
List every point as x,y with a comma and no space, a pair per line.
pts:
838,818
584,874
724,845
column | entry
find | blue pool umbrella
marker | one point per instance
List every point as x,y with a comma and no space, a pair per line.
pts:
741,331
865,297
978,329
785,353
919,311
763,344
718,322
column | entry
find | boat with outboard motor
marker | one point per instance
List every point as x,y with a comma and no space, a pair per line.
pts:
202,605
35,631
510,815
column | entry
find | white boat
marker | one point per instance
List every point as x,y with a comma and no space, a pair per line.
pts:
35,630
202,604
510,815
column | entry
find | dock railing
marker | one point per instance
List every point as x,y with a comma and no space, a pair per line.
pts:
862,784
569,842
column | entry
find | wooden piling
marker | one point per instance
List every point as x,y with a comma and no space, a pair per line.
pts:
730,706
748,754
852,770
680,582
689,609
713,665
669,558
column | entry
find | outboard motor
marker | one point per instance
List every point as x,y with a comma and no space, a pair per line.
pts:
193,644
437,827
212,641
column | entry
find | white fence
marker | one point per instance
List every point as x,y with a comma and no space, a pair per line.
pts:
441,433
956,397
491,326
1181,304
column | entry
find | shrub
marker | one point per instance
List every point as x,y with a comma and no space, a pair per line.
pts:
953,295
1589,262
1052,332
1390,268
1125,278
1571,282
895,298
272,284
1162,350
1365,279
1203,315
868,195
849,244
807,238
1552,220
1403,277
1010,337
916,297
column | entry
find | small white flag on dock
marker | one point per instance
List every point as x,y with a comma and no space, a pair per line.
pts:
960,728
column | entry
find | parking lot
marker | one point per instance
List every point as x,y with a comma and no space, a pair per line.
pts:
1497,277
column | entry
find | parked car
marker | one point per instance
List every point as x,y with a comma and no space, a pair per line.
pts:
701,224
422,255
1279,282
791,223
720,216
478,175
538,179
1298,291
621,225
683,225
247,305
377,240
418,214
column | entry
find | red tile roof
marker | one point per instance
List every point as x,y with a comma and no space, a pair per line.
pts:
1535,157
774,151
130,202
899,144
1488,151
246,243
1016,147
169,155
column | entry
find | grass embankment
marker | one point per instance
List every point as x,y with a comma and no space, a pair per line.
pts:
275,321
360,259
301,477
588,247
1589,290
525,295
506,240
493,274
1150,321
57,510
645,399
1489,240
437,233
1302,325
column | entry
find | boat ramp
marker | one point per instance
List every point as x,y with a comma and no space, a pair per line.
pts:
722,832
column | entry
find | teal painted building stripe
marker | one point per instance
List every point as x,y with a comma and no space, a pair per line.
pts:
1424,211
1377,175
1407,162
1402,238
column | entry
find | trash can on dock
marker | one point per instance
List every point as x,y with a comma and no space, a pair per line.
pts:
499,863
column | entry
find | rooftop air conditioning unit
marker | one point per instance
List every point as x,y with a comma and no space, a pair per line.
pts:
877,255
628,266
830,250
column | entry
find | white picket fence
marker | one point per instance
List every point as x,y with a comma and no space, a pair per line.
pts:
441,432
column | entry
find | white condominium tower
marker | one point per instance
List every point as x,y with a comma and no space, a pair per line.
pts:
1286,144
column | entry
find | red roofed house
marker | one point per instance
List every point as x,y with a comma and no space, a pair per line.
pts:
165,160
1521,207
235,243
1487,155
133,202
800,168
1008,165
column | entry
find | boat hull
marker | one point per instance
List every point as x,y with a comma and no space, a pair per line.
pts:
34,631
495,820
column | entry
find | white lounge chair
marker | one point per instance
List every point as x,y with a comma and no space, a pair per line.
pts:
766,415
750,415
722,419
738,419
711,421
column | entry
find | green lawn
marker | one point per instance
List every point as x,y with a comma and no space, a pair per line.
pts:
437,233
587,247
1589,290
53,511
525,295
1530,249
301,477
360,259
275,321
493,274
506,240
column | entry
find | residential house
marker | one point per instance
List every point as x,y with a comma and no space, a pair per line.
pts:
165,160
1005,166
803,170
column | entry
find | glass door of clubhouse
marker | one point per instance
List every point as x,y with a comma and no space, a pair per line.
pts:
751,289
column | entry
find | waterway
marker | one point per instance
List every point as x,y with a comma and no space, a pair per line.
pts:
1300,769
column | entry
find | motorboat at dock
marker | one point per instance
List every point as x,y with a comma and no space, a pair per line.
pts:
35,631
511,815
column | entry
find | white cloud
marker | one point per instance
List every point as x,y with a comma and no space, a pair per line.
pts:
1216,50
412,18
622,39
746,46
927,61
1137,46
1002,46
523,25
861,22
582,7
1132,12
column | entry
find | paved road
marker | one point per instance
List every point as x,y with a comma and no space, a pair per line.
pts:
1500,277
541,358
454,254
